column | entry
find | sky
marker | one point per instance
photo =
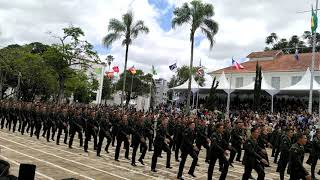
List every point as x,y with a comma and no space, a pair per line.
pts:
243,27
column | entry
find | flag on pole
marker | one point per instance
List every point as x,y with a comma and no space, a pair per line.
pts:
200,71
237,65
314,21
132,70
115,69
173,67
153,70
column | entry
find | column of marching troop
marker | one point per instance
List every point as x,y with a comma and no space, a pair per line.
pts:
220,139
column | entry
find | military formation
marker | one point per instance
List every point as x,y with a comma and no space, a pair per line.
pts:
166,133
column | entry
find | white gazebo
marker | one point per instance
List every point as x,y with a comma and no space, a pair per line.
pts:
264,86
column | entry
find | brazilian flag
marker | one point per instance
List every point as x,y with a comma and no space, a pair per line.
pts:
314,21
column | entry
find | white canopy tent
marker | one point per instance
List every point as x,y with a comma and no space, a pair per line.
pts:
264,86
303,84
194,86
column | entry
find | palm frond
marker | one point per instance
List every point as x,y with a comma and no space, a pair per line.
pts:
110,38
208,10
209,36
138,28
116,26
182,15
212,25
127,19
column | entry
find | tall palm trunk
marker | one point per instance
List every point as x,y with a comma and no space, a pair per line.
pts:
190,72
124,75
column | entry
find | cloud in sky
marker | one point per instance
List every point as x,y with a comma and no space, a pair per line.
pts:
243,26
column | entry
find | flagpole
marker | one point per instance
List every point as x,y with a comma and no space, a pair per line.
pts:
197,97
229,93
131,86
312,65
174,83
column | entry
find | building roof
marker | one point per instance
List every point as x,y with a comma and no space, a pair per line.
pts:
264,54
281,63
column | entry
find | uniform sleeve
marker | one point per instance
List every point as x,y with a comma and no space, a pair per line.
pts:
214,143
294,156
249,148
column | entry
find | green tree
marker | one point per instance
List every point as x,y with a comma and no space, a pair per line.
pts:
107,88
82,87
74,52
8,56
128,29
183,74
198,15
272,39
288,46
140,84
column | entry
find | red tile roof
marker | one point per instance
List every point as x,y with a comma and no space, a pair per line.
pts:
282,63
263,54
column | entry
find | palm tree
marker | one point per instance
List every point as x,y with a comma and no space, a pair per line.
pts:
198,15
128,29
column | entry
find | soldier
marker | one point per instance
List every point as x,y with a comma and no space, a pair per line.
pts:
273,140
217,151
45,120
123,136
105,126
296,153
114,121
38,121
76,125
263,143
315,153
284,156
161,142
92,128
188,148
62,125
138,138
201,136
26,121
252,159
236,141
149,130
2,113
178,137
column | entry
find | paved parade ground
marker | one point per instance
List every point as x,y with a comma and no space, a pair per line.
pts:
59,162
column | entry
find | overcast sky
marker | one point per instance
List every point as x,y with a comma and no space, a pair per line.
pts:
243,26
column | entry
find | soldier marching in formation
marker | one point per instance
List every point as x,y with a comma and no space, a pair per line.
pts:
168,132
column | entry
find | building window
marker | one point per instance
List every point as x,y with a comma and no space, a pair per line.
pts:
295,79
275,82
239,82
317,78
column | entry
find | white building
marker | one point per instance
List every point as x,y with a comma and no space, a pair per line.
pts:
96,71
161,91
280,70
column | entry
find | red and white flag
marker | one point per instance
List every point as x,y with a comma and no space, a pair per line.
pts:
237,65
